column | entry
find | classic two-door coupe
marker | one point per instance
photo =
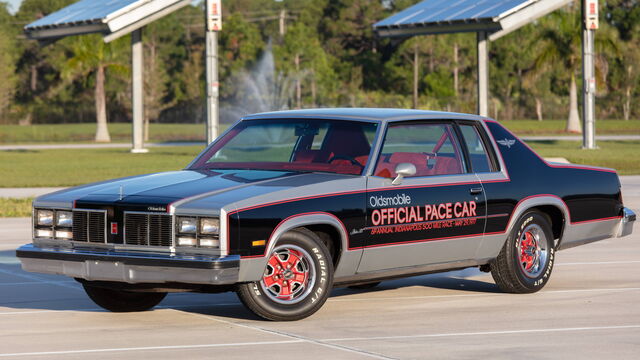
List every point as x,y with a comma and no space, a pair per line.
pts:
286,205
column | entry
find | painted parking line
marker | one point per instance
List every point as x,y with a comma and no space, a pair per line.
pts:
327,342
543,292
487,333
600,263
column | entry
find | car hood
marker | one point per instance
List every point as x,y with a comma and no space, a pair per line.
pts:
215,188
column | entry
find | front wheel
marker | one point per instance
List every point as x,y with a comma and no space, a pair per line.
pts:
296,281
525,262
123,301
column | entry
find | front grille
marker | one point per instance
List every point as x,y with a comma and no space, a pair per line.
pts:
148,229
89,226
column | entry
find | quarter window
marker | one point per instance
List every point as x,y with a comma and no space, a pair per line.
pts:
477,151
432,148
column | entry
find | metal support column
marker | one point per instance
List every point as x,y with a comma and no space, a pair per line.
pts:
588,89
137,92
212,109
483,74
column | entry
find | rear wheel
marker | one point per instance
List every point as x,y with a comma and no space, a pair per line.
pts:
296,281
525,262
123,301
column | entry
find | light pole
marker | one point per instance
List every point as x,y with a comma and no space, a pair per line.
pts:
590,24
213,23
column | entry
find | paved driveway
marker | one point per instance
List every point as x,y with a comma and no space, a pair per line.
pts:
588,310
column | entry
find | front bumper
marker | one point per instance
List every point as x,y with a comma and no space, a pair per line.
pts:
626,223
130,267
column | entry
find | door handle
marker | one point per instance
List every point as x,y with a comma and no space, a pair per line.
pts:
475,191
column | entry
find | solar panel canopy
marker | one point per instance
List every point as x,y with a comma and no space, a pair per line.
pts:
113,18
498,17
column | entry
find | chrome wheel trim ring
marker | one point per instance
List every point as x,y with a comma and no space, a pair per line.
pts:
306,265
533,252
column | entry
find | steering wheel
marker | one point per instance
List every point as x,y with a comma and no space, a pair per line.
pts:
346,157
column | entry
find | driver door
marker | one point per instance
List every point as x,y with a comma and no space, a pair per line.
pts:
436,215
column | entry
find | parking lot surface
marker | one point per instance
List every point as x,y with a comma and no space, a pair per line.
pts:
588,310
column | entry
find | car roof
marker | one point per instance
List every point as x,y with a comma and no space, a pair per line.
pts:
367,114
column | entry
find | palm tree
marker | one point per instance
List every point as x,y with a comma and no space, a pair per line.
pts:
561,44
91,56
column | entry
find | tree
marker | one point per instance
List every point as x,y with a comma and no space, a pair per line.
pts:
91,56
561,44
7,60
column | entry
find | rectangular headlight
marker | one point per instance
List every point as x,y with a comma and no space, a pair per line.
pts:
44,217
209,226
44,233
64,218
187,225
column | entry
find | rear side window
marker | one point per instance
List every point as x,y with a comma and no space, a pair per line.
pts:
477,151
432,148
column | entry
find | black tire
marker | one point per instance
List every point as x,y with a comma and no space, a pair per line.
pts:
526,260
366,286
283,295
123,301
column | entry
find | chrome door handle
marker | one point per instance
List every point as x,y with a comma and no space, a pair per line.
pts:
475,191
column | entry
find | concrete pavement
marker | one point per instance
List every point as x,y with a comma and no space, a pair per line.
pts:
588,310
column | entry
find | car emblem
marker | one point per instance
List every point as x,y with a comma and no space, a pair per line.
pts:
506,142
121,192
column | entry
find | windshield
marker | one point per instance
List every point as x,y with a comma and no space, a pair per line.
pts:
341,147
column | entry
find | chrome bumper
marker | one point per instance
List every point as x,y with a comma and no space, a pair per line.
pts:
130,267
626,223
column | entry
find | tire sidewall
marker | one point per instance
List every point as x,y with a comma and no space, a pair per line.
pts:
320,290
531,217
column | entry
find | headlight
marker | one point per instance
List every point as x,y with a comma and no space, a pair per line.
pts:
187,225
44,217
64,218
209,226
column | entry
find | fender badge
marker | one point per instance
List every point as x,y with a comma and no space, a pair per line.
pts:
506,142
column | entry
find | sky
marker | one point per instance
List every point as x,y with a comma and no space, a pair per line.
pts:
14,5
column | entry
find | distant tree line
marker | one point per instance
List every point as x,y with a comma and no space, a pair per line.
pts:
329,54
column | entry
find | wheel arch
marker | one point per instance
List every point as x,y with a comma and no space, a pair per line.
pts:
326,225
550,205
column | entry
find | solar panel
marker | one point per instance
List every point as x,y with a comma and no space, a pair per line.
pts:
85,11
443,11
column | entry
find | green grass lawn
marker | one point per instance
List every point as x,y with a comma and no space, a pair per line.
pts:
48,168
64,167
15,207
120,132
556,127
619,155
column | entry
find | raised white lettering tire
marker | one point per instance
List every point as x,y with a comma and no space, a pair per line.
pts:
525,262
296,281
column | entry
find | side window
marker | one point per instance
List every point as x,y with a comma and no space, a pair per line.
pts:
477,152
432,148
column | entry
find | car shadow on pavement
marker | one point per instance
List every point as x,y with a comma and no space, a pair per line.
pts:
28,291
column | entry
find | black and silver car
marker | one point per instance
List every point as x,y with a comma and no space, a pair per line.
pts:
284,206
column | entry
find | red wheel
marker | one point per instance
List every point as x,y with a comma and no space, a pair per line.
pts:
296,281
525,262
290,272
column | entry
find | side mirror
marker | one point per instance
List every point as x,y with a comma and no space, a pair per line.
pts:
402,170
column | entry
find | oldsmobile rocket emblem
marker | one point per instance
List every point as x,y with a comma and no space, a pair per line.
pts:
121,192
506,142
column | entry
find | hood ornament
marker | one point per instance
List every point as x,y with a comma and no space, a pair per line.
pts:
121,193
